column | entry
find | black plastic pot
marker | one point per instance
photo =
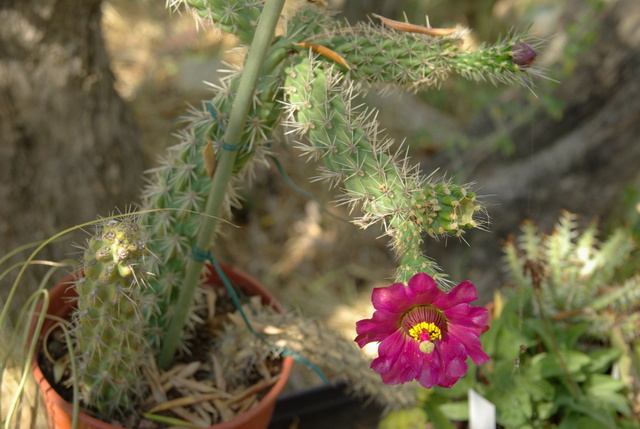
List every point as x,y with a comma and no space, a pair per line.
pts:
324,407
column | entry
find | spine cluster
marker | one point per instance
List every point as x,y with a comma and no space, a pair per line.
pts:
112,313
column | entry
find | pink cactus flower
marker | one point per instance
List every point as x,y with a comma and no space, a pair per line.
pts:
425,333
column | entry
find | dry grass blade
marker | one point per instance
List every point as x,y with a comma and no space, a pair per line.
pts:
183,402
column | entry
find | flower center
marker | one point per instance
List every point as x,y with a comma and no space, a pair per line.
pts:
425,324
425,331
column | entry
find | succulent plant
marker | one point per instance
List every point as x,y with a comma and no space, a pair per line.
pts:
113,310
577,276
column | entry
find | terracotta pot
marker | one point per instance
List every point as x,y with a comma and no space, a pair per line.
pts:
59,411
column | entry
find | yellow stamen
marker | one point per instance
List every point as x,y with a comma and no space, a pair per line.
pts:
431,328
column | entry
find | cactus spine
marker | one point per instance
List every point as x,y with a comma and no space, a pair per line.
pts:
112,313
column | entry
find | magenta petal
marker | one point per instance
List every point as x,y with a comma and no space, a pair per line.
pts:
466,315
368,332
471,343
465,292
431,371
379,327
394,298
389,353
454,371
451,349
423,289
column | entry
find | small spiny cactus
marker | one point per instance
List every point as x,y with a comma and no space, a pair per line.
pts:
576,275
112,312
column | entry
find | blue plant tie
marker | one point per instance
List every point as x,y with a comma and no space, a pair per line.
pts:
212,112
231,147
202,256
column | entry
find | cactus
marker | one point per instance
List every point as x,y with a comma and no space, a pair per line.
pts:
389,191
578,276
375,54
238,17
180,185
112,313
318,106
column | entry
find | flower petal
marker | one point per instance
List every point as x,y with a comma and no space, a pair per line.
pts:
393,299
389,354
431,371
423,289
466,315
471,343
463,293
380,326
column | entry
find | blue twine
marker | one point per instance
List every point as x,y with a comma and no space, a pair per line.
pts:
212,112
230,146
202,256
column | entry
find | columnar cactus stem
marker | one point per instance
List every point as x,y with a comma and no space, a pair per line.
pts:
179,186
112,313
222,177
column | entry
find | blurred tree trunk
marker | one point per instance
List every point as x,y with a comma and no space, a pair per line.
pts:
68,145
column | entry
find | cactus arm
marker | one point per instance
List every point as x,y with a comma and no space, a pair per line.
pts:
388,190
412,60
238,17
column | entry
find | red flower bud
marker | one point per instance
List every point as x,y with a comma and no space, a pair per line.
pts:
523,54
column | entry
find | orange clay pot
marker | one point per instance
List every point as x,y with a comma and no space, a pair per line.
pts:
59,411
